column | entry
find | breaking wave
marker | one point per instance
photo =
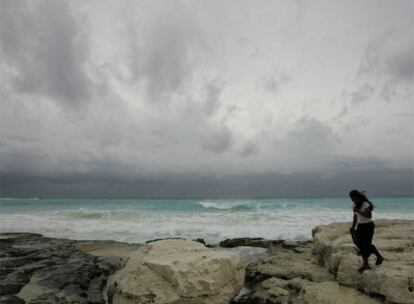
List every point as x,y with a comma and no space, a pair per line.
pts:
213,220
229,205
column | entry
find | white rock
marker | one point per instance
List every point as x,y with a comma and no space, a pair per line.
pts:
394,279
332,293
178,271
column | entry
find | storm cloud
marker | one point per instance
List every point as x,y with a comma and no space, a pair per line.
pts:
206,99
44,52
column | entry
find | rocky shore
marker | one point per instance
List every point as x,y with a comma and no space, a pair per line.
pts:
36,269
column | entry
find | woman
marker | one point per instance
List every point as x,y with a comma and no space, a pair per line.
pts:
364,232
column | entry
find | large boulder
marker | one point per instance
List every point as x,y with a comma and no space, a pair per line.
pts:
178,272
394,279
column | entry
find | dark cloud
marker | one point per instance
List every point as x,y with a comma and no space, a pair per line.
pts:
218,139
387,68
165,58
44,52
401,64
177,104
386,57
250,148
310,136
377,182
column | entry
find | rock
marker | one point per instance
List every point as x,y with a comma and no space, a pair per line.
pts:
249,254
278,278
200,241
287,264
303,291
11,300
163,239
394,279
36,269
9,288
274,295
117,252
298,245
178,271
253,242
274,282
243,295
330,292
39,270
295,284
272,290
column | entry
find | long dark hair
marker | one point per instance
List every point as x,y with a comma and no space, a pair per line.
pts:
361,198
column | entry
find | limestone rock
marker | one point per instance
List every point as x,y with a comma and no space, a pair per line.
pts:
394,279
287,264
278,278
330,292
272,290
178,271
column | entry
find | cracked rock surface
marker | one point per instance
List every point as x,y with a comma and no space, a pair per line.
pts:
36,269
39,270
325,271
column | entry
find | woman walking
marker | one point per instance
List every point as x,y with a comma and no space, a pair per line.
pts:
365,227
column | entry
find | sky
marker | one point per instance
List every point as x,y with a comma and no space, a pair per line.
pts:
206,98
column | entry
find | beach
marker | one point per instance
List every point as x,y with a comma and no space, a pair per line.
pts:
38,269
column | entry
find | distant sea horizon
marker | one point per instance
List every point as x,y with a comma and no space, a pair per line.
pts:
137,220
201,197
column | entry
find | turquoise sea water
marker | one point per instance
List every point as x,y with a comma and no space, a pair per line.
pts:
138,220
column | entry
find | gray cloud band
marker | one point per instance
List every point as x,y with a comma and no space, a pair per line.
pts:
115,93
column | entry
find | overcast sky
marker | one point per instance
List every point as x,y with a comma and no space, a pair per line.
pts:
206,98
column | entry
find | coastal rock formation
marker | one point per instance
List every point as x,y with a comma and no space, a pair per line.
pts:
253,242
326,271
178,271
40,270
36,269
292,274
394,279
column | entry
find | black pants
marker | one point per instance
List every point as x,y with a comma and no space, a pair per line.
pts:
364,235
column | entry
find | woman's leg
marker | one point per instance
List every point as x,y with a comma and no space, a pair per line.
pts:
373,249
380,258
364,236
369,235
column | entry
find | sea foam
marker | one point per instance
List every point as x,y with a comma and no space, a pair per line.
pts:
213,220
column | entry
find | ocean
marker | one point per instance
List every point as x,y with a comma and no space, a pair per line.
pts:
139,220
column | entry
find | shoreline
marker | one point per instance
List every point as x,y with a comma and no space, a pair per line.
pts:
276,271
214,220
